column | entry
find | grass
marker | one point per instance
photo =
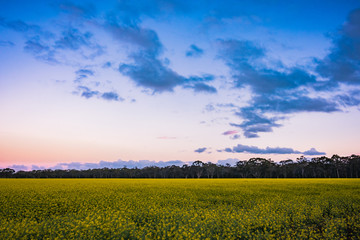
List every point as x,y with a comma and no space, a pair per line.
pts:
179,209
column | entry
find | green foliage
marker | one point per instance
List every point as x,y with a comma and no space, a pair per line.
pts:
179,209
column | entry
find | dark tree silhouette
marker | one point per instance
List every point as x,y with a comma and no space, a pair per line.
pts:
319,167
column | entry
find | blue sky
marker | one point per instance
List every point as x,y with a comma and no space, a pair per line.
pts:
88,83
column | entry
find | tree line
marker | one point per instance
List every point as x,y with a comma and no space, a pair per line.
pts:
320,167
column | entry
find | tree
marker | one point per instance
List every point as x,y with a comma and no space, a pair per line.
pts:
319,167
241,168
6,172
286,167
301,164
198,168
210,169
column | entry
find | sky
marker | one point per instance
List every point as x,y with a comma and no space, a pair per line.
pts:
90,84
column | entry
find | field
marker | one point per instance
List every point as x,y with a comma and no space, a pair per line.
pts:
179,209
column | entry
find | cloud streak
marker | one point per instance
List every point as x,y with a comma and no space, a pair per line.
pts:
200,150
102,164
194,51
284,91
111,96
147,69
268,150
82,74
41,50
118,164
150,72
230,132
342,65
87,93
6,43
23,27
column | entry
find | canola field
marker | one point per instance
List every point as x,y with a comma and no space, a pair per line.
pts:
179,209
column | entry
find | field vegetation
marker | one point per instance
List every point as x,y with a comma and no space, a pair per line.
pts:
179,208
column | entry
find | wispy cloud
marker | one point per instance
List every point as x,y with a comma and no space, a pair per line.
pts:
200,150
202,87
86,72
268,150
111,96
279,92
118,164
230,132
149,72
41,50
254,123
194,51
134,35
233,134
86,92
341,65
313,151
50,47
102,164
286,91
23,27
276,92
75,40
83,11
6,43
148,69
82,74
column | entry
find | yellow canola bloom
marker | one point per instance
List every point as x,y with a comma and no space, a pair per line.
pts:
179,208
